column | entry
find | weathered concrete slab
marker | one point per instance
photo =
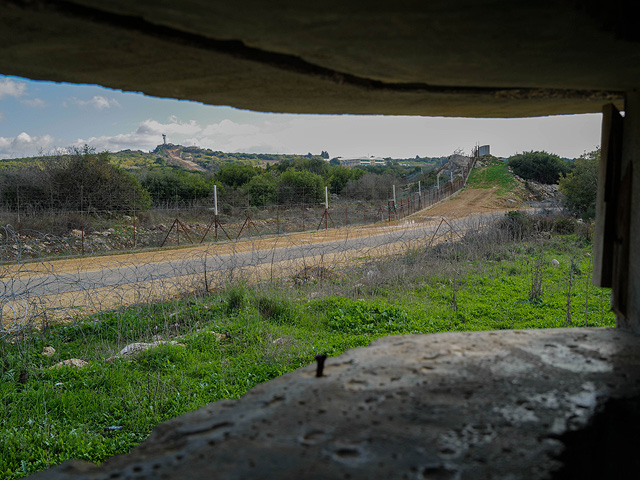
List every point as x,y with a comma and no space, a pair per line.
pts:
446,406
504,58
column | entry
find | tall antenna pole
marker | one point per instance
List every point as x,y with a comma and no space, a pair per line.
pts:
164,139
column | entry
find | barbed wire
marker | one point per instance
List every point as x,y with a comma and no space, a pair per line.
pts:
273,242
36,293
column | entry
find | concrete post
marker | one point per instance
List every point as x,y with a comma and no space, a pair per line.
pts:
631,157
215,200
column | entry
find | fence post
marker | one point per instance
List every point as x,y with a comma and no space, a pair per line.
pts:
82,218
134,220
18,205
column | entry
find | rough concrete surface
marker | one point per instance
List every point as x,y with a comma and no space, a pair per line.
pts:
441,57
473,405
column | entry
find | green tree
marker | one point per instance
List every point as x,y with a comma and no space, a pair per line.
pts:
581,185
263,190
237,175
540,167
300,186
102,185
169,185
79,180
340,176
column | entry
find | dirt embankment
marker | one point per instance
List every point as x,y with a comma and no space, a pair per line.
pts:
469,201
174,154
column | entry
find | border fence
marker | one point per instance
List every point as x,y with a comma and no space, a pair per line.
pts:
34,228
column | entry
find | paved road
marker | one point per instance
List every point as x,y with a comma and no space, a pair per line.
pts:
133,269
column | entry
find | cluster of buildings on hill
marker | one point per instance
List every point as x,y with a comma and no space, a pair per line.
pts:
358,161
478,151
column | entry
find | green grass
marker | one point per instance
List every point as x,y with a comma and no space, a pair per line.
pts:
49,415
495,174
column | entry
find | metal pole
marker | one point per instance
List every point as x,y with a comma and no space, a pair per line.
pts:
82,218
134,220
18,205
215,200
326,207
215,210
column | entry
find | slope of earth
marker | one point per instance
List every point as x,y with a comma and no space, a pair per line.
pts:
491,187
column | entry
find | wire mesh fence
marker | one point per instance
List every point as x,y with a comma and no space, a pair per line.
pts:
36,293
34,228
47,271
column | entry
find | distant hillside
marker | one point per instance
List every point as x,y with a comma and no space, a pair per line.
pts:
195,158
203,159
187,158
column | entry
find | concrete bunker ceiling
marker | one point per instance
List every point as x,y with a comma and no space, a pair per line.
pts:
444,58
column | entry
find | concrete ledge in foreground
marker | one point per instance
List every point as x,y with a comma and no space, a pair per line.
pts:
531,404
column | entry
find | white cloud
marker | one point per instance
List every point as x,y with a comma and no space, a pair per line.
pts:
35,102
153,127
98,102
228,136
11,88
146,136
346,135
24,145
229,128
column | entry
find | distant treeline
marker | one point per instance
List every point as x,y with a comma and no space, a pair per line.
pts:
86,180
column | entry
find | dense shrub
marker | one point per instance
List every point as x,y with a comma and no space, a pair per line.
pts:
263,190
300,186
79,180
237,175
169,185
516,224
580,187
540,167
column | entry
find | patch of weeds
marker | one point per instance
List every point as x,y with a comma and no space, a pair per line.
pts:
163,357
236,298
516,224
273,308
564,226
537,276
357,317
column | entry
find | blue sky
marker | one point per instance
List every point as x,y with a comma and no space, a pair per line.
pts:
40,117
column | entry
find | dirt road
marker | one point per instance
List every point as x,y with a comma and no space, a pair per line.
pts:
84,285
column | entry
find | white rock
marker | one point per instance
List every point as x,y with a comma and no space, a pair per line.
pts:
72,362
48,351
